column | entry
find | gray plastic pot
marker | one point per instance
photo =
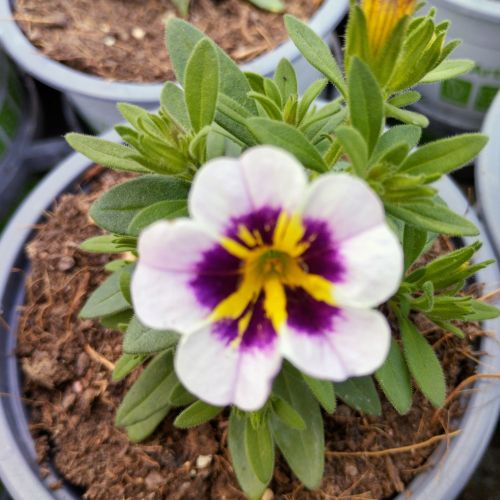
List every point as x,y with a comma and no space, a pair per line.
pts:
455,462
18,124
95,98
488,175
461,103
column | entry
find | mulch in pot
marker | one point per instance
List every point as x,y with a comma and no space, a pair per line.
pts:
67,363
125,39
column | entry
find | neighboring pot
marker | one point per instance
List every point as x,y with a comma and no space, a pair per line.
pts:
488,175
95,98
461,103
18,123
454,461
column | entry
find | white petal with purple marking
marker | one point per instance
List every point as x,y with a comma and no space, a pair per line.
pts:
220,374
356,344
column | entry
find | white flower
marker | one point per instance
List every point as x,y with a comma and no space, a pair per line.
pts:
269,268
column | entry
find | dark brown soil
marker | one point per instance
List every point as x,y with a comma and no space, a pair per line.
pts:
67,364
124,39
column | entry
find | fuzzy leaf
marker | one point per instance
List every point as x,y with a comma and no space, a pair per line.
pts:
355,147
414,241
150,392
315,50
270,5
201,84
288,415
259,448
140,339
423,363
450,68
106,300
303,450
141,430
109,154
249,482
196,414
107,243
116,208
286,79
405,116
408,134
365,102
323,391
127,364
267,131
360,393
162,210
394,379
172,99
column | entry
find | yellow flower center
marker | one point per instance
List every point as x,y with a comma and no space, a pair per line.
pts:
267,269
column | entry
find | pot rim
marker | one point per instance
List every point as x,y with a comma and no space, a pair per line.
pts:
67,79
18,467
487,10
487,176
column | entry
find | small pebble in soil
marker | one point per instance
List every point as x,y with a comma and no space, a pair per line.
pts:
66,263
268,494
154,480
138,33
351,470
109,41
77,386
203,461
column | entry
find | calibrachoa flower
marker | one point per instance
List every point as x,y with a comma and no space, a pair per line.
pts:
269,268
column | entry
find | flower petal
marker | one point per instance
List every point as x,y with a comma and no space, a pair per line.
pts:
347,204
356,344
222,374
161,288
225,189
372,268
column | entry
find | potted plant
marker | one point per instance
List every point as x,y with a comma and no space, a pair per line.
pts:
487,174
95,97
269,269
461,103
18,121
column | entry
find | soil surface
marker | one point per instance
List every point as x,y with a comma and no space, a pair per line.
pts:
125,39
67,363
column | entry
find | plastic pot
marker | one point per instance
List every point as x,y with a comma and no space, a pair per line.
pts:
461,103
95,98
488,175
18,123
18,468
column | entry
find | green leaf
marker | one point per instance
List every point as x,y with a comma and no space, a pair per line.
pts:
141,430
107,243
249,482
115,209
132,113
432,217
405,116
196,414
287,414
231,117
360,393
140,339
482,311
267,131
310,95
365,102
259,448
315,50
162,210
106,300
445,155
394,379
172,99
449,68
423,363
201,84
303,450
127,364
182,6
181,40
414,241
150,392
270,5
408,134
125,281
108,154
286,79
118,321
268,104
405,98
355,147
323,391
180,396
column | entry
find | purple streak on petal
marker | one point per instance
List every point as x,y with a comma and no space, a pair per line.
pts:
308,315
218,276
259,333
262,220
322,257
